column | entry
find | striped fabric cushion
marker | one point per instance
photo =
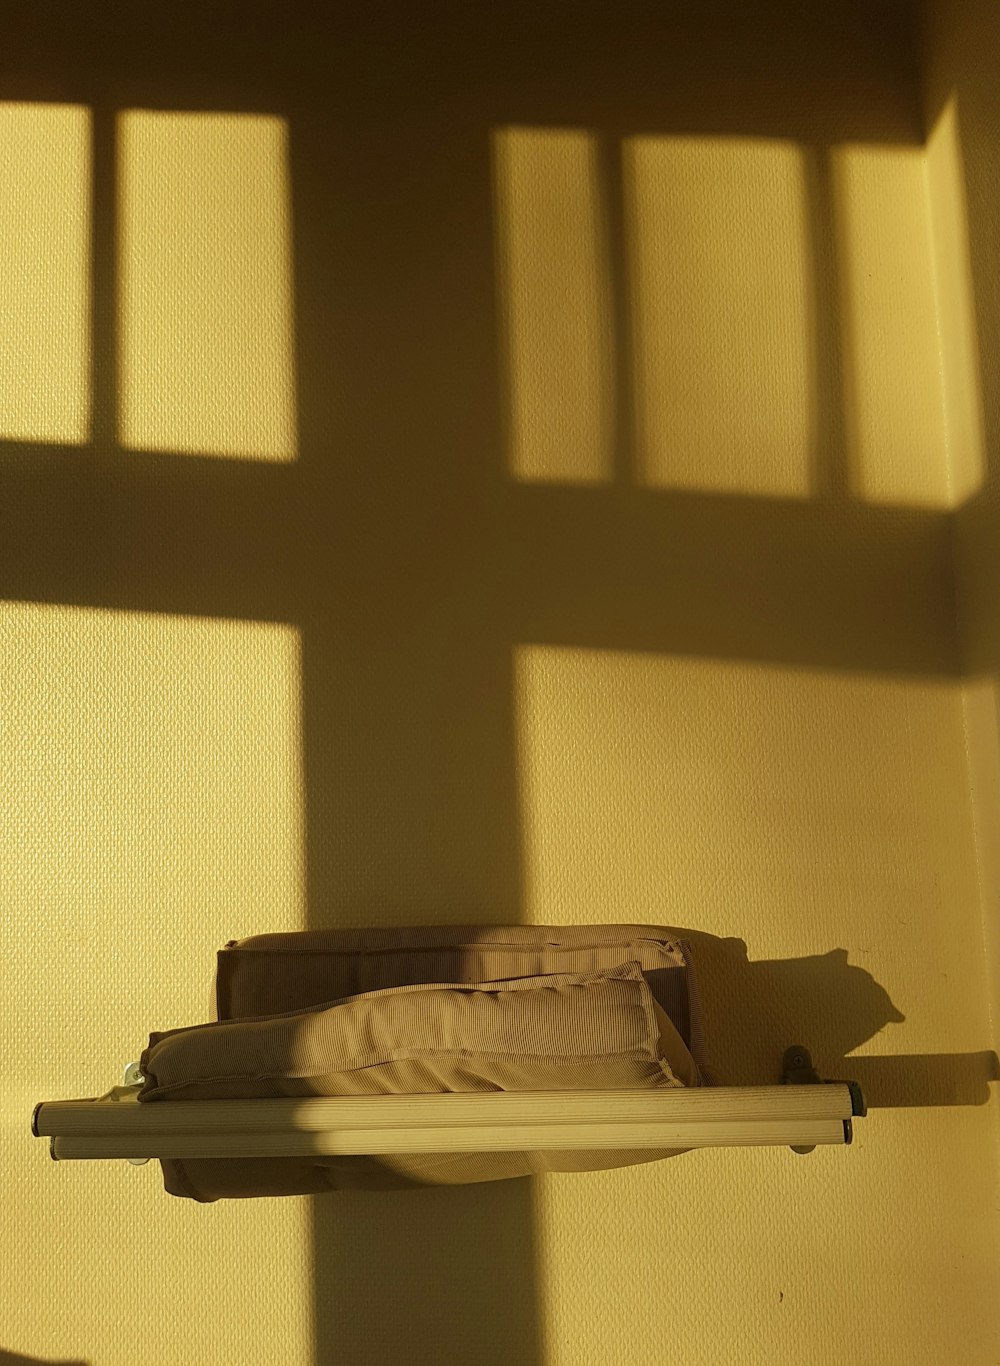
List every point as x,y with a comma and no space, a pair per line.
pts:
600,1030
266,974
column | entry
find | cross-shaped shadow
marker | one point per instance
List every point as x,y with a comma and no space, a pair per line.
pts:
399,545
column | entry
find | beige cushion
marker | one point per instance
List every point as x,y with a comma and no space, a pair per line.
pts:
530,1033
267,974
590,1031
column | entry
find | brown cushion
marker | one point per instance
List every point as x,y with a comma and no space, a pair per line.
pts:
590,1031
267,974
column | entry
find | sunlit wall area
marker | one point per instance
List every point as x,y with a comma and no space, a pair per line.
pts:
554,274
825,822
956,307
893,389
206,285
151,805
45,203
718,250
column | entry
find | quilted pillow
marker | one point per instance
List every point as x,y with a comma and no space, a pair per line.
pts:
585,1031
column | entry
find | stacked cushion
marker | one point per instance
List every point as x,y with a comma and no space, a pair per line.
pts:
602,1028
267,974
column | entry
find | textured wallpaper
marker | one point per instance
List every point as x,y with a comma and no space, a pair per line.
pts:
960,43
808,817
491,469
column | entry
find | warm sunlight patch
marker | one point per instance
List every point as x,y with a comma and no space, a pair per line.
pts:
893,400
955,298
206,346
798,809
151,807
44,272
717,238
819,825
555,305
152,797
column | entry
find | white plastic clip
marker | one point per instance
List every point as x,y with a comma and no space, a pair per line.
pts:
133,1077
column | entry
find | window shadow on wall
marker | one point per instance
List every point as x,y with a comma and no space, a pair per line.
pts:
412,562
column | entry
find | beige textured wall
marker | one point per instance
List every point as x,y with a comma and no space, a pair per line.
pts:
503,467
961,46
824,822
